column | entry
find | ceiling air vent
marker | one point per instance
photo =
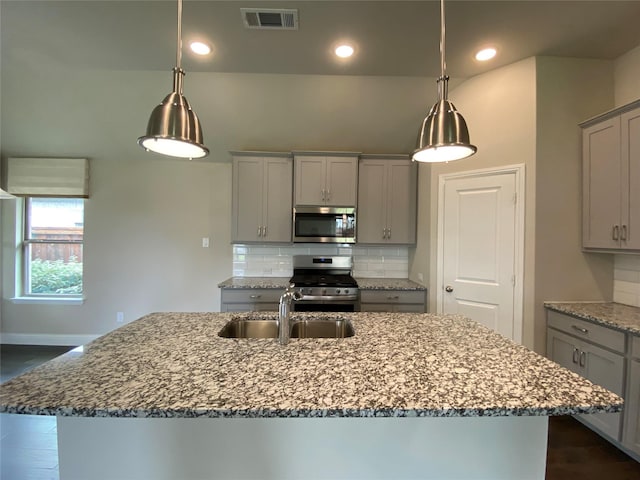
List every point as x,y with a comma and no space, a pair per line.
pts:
270,18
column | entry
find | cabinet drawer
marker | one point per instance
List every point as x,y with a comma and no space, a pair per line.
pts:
251,295
392,296
635,346
603,336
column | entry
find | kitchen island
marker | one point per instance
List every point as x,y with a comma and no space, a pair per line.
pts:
408,396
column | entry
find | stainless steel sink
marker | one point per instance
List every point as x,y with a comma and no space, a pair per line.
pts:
315,328
322,328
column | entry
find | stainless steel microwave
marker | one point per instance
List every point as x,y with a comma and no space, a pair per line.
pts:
324,224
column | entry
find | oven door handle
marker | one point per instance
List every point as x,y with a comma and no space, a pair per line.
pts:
327,297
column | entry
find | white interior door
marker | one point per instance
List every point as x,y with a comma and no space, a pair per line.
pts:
479,249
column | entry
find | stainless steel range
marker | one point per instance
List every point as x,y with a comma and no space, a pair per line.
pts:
325,283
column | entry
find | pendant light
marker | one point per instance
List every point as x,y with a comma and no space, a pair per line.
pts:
173,128
444,136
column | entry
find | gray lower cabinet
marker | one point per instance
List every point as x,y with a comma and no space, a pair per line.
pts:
249,299
631,429
594,352
262,198
406,301
387,196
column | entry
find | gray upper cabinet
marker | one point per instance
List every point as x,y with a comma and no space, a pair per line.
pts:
611,180
387,200
326,179
262,198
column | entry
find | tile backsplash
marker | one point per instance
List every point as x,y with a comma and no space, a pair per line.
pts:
277,261
626,280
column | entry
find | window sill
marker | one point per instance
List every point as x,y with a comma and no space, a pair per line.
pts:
47,301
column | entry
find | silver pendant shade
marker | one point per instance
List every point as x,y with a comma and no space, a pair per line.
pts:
174,128
443,136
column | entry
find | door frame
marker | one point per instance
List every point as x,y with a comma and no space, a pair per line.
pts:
518,302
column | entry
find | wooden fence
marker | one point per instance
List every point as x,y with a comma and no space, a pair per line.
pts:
57,251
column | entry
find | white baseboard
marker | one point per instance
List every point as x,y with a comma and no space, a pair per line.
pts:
45,339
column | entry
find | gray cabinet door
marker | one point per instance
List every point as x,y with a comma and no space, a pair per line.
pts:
322,180
371,219
601,172
262,199
247,199
631,429
341,181
401,201
606,369
387,201
630,133
310,172
277,199
596,364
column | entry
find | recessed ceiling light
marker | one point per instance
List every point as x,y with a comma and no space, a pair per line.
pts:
485,54
344,51
200,48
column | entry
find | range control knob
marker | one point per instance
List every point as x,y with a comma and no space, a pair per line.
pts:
337,291
324,291
346,292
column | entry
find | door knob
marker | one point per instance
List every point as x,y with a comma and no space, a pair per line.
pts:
448,289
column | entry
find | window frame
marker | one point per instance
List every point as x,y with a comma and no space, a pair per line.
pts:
25,252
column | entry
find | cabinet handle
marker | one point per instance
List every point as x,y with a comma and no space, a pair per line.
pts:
255,296
393,297
388,233
616,232
580,329
322,192
576,354
583,359
624,233
259,231
264,231
328,195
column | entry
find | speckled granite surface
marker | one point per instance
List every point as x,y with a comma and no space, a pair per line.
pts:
614,315
175,365
388,284
255,282
281,283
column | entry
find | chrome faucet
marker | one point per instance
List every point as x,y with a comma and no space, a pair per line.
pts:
284,326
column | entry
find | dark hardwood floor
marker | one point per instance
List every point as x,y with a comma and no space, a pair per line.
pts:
29,451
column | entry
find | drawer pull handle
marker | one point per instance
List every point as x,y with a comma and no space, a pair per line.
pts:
393,297
616,233
580,329
576,354
583,359
255,296
623,237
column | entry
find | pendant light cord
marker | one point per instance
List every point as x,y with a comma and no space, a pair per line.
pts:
178,73
179,46
443,80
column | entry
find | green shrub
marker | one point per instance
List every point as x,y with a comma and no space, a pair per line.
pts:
56,277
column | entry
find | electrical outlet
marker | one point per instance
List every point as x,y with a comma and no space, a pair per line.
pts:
120,317
205,242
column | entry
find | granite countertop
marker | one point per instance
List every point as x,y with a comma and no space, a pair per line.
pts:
283,282
610,314
388,284
396,365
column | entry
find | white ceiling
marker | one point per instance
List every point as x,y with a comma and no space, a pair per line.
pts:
392,37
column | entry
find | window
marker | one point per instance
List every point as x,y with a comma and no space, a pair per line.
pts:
52,247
